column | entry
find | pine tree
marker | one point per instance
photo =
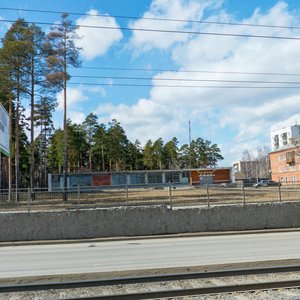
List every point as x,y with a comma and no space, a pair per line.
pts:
100,149
77,147
36,67
171,154
55,151
158,153
62,54
14,62
117,145
148,155
90,126
43,120
134,156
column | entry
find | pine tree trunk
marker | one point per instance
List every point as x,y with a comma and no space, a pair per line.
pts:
103,163
90,157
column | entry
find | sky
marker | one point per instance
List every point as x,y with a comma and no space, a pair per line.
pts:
157,104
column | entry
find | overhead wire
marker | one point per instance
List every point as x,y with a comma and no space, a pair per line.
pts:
178,71
185,79
183,86
187,71
151,18
167,31
171,70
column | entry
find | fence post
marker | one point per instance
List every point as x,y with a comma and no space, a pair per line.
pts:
207,195
127,196
279,191
28,198
78,196
244,196
170,195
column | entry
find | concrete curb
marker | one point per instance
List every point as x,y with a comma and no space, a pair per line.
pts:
130,238
149,272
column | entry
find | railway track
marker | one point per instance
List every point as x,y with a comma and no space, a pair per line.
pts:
167,293
199,291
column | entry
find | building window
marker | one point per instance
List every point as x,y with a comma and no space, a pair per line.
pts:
172,177
137,178
284,138
294,179
286,179
279,157
280,169
155,177
276,141
292,168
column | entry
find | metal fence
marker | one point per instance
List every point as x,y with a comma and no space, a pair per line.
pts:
173,196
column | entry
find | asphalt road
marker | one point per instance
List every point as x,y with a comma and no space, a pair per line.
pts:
106,256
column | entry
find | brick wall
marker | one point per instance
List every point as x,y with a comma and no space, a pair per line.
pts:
285,167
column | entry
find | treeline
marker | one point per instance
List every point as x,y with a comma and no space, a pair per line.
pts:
33,69
96,147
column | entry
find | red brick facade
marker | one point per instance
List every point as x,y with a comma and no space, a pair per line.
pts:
285,165
221,175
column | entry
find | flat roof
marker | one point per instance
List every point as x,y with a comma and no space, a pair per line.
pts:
287,147
145,171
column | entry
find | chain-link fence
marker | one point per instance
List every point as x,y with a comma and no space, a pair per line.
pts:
171,195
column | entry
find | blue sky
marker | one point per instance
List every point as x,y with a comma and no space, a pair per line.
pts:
235,118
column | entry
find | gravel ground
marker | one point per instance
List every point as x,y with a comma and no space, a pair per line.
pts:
281,294
290,294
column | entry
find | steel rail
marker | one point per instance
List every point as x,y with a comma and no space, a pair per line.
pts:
145,279
199,291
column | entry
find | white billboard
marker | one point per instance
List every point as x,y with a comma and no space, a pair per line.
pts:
4,131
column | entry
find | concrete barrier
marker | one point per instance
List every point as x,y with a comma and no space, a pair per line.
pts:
151,220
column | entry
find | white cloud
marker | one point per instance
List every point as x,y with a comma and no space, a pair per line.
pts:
247,113
167,9
4,26
95,42
76,116
98,90
145,119
74,96
292,120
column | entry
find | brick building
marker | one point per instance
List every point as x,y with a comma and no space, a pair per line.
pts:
284,158
285,164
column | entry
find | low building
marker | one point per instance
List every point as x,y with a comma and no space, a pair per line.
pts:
245,170
143,178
